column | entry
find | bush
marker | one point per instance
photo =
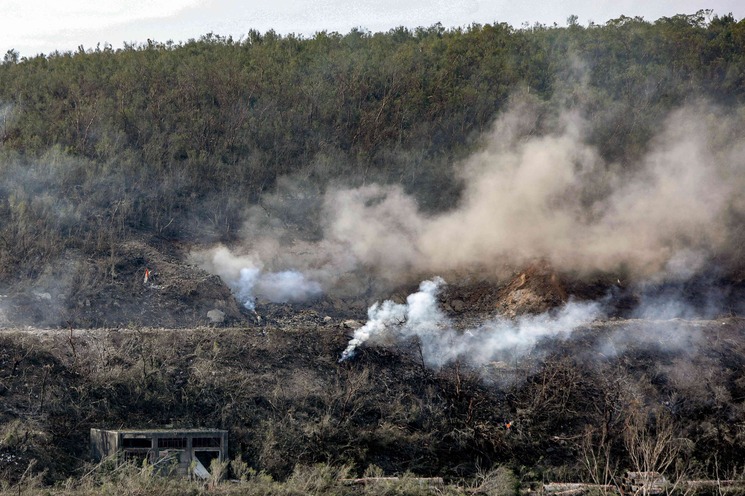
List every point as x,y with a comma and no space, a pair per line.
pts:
499,481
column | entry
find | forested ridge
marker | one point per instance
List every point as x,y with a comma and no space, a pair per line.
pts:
175,139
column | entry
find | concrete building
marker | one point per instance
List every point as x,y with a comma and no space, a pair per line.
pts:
178,451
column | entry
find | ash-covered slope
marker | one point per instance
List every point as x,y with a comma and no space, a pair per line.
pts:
286,399
112,290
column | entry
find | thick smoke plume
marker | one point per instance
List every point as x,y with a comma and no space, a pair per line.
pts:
421,318
552,197
536,190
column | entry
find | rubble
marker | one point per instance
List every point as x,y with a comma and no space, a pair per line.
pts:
351,324
216,316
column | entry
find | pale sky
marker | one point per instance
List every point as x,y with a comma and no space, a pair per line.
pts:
42,26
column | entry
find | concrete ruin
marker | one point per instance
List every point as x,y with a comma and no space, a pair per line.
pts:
171,451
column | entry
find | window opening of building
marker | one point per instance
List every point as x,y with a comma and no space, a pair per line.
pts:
136,442
172,442
205,442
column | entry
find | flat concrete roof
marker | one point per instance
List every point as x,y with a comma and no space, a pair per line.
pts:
169,430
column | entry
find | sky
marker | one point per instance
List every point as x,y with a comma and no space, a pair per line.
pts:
32,27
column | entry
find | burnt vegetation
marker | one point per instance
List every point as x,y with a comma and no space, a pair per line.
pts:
570,414
113,160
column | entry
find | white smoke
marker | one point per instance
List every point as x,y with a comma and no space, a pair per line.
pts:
244,287
420,315
675,335
287,286
441,343
503,338
247,278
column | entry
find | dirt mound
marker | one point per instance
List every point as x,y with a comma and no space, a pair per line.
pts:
537,289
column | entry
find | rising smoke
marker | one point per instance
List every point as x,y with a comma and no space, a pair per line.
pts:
440,343
536,190
248,280
552,197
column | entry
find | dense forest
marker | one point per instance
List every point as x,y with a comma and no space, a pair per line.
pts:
174,140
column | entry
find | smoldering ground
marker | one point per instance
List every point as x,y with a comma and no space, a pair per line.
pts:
440,340
536,190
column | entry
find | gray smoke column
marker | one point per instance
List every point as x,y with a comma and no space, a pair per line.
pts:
440,343
247,278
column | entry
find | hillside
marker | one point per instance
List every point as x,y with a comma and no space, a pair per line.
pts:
286,399
436,251
261,144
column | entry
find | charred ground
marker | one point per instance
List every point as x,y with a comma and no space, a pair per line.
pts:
280,390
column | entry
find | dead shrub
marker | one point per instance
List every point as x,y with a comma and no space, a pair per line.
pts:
499,481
